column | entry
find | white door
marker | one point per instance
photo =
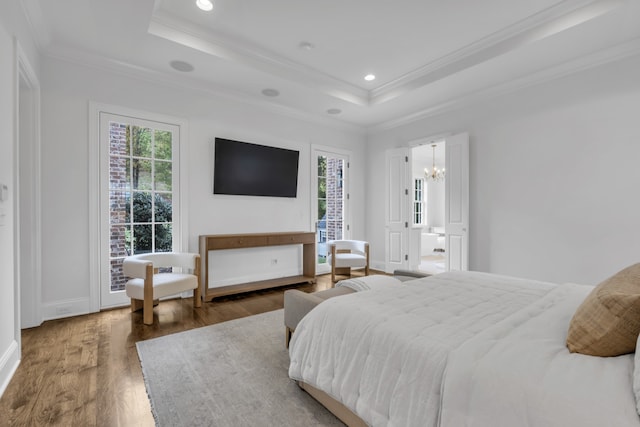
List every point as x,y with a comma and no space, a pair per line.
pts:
397,216
457,202
139,197
330,196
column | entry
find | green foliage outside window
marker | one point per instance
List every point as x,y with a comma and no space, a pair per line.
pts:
142,230
322,187
145,144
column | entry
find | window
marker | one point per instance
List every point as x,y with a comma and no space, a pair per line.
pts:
140,194
139,198
418,201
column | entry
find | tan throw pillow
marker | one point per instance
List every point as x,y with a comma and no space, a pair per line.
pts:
607,323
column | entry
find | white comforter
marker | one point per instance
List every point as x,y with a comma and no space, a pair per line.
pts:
459,349
520,373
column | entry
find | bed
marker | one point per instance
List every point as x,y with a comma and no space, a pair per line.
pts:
462,349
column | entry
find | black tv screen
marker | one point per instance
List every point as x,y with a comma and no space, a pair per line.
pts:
241,168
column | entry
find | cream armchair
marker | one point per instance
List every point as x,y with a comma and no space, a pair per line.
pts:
347,254
147,284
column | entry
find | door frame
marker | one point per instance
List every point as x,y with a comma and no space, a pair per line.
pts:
456,215
408,184
346,212
27,182
96,269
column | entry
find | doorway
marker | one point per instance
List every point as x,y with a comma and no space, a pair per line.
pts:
139,197
27,215
329,201
402,238
428,206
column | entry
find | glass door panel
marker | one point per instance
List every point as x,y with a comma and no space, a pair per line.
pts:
330,200
138,180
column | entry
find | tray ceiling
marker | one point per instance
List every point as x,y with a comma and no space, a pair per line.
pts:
426,55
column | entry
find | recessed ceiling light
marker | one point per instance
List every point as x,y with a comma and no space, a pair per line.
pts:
183,66
334,111
270,92
369,77
205,5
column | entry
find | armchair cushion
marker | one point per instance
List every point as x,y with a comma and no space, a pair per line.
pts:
164,284
349,260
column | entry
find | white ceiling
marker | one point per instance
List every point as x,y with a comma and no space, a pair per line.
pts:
428,56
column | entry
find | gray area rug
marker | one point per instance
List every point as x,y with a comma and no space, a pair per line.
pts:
229,374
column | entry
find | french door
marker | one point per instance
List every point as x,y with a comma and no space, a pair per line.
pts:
457,202
329,199
399,210
139,161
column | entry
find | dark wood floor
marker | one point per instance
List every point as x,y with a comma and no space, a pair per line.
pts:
84,370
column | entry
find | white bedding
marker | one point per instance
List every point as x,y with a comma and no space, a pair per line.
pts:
521,370
397,357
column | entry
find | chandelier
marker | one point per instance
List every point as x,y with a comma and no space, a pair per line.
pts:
435,174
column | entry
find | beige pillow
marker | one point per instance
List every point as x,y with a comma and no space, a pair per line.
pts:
607,323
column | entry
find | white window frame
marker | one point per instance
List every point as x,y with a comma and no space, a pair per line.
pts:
317,150
98,173
418,201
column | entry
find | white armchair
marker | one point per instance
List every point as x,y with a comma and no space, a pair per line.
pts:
147,284
347,254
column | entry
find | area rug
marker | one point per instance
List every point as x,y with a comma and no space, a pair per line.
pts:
229,374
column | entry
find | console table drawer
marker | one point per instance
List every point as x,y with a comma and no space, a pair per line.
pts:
232,242
291,239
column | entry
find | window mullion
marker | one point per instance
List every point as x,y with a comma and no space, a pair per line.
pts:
153,192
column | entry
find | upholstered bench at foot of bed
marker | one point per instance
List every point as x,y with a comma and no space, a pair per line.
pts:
404,275
297,303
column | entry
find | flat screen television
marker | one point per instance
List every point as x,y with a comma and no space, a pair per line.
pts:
242,168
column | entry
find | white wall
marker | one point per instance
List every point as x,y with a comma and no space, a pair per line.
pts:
553,176
12,25
67,89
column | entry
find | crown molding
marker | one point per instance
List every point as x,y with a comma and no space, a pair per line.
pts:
616,53
602,57
86,59
187,34
543,24
37,25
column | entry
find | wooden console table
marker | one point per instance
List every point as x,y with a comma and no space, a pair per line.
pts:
238,241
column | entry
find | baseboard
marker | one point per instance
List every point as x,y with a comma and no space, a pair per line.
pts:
8,364
378,265
66,308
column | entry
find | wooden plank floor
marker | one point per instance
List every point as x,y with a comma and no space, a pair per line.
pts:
84,370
